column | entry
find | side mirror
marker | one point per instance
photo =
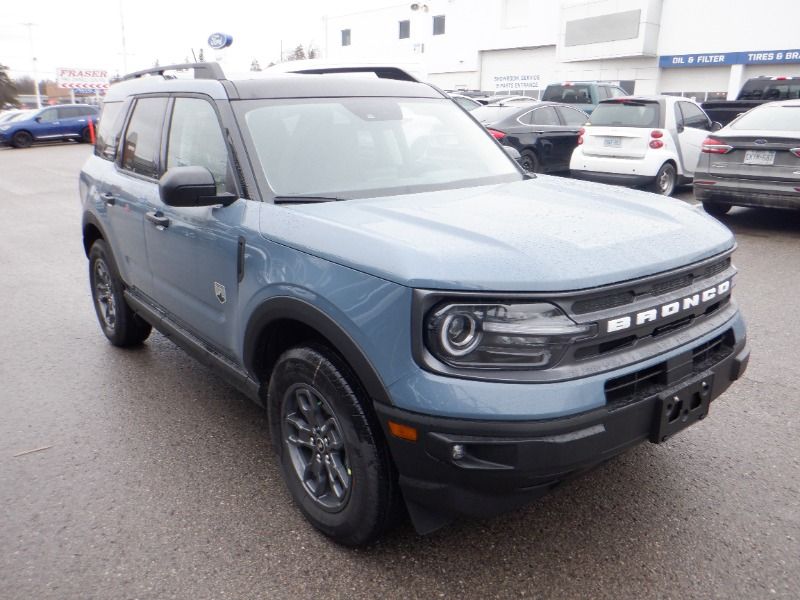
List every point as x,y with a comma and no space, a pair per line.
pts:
191,186
680,128
716,126
38,119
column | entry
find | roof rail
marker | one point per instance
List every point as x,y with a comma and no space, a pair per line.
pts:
381,72
209,70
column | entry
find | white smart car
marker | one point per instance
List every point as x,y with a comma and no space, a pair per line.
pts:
650,141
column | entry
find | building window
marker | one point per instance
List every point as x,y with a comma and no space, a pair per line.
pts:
405,29
345,37
438,25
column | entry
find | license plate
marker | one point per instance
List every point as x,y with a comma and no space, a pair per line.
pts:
680,407
759,157
612,142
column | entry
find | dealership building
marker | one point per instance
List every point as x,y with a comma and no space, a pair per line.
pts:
703,49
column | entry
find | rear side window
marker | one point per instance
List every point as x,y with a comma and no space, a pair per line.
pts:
626,114
572,117
108,130
68,112
195,140
143,137
569,94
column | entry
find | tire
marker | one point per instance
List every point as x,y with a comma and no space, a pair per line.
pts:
119,323
716,209
86,136
22,139
665,180
529,162
335,463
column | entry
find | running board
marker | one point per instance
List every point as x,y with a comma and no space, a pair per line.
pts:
195,347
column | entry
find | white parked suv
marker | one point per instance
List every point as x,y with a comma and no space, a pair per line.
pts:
650,141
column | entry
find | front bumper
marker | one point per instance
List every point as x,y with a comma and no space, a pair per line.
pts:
742,192
505,464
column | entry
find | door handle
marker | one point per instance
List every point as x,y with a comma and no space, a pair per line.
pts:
109,199
157,219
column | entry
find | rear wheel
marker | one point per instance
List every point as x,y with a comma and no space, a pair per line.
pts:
716,209
529,162
22,139
665,180
86,136
119,323
334,462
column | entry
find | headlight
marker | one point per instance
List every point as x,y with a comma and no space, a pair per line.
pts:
501,336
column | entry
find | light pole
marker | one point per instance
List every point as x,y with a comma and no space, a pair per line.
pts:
122,33
33,60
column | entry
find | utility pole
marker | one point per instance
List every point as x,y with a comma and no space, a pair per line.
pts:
124,47
33,60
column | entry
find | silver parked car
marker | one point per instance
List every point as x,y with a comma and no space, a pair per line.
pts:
753,161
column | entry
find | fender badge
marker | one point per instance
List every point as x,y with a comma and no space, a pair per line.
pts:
219,292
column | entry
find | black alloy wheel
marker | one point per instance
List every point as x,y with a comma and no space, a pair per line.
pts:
529,162
334,459
119,323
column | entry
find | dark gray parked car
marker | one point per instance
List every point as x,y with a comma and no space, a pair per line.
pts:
753,161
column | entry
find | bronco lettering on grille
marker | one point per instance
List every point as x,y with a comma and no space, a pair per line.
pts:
669,309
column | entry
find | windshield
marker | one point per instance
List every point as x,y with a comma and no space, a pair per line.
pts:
569,94
770,118
360,147
626,114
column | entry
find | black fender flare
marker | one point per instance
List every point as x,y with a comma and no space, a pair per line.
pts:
289,307
90,219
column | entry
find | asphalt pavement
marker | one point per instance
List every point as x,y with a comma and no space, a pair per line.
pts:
140,474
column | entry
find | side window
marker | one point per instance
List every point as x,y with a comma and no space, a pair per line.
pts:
572,117
615,92
48,116
693,116
108,130
544,116
678,115
405,29
438,25
143,137
345,37
195,140
603,93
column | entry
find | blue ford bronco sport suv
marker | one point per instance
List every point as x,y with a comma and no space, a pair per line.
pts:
427,326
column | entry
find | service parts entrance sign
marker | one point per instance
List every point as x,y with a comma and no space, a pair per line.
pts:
83,79
516,82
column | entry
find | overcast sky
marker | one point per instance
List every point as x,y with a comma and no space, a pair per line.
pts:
87,34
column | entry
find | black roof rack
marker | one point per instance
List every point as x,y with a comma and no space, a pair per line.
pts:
209,70
381,72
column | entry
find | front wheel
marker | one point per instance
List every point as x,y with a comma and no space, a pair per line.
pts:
665,180
119,323
22,139
335,464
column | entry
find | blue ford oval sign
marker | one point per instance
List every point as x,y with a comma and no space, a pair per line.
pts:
218,41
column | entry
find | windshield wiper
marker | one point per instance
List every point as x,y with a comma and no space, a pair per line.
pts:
305,199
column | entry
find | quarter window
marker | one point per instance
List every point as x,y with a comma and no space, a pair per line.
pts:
544,116
108,130
572,117
438,25
195,140
405,29
143,137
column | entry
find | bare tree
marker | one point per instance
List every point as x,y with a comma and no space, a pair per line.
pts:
8,91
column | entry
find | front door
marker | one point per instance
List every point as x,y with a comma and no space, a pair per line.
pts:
193,253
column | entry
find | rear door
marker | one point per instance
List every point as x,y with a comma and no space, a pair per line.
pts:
552,138
621,128
134,188
72,120
194,252
692,127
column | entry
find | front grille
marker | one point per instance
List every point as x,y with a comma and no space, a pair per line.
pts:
648,382
657,288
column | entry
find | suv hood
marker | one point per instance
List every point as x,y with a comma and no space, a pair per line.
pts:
543,234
